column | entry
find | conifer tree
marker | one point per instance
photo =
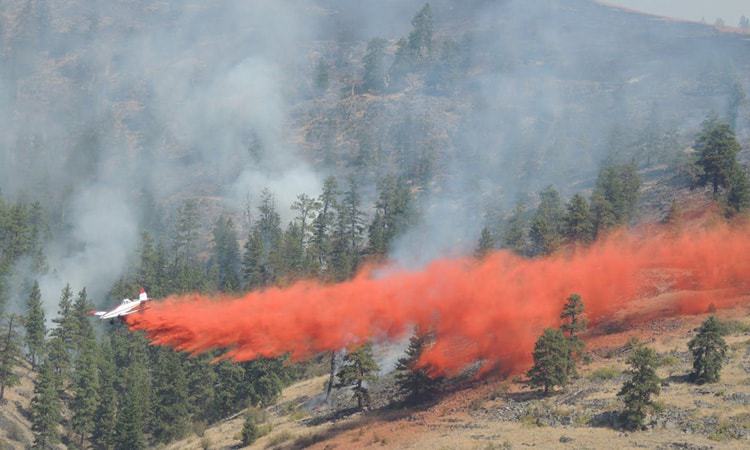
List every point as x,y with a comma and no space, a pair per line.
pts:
306,208
202,381
373,79
717,149
250,431
642,384
45,409
10,355
323,224
738,193
393,213
60,346
170,409
574,323
578,224
709,351
514,235
229,389
105,419
35,327
254,269
226,255
552,361
132,415
358,368
415,383
486,243
85,390
615,195
546,225
420,38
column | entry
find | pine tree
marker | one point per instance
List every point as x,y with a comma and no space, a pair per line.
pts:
573,324
306,208
10,356
250,431
229,389
717,149
293,252
226,255
738,193
373,79
323,224
637,391
709,351
84,331
60,346
359,367
420,38
578,223
132,414
514,235
85,390
546,225
45,409
486,243
348,235
202,381
105,419
393,213
615,195
35,328
552,361
170,408
415,383
263,382
254,270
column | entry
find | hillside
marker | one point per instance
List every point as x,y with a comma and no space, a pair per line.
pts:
302,154
504,414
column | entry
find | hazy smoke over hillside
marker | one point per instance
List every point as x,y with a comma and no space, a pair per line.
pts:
114,111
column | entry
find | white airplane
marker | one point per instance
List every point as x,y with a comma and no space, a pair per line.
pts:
125,308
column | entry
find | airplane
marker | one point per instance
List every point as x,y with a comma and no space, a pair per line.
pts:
125,308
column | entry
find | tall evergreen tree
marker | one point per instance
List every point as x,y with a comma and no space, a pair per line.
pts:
229,390
547,223
202,382
486,243
35,327
10,355
615,195
85,390
578,223
359,367
514,234
574,323
170,408
374,76
552,361
416,383
105,419
254,268
226,255
45,409
132,415
641,385
717,149
324,223
61,345
393,213
709,351
420,38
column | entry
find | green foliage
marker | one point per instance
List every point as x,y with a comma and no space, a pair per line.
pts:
547,223
85,390
738,192
35,326
373,79
169,390
414,381
615,196
578,222
514,235
393,213
642,384
717,149
415,50
709,352
226,255
552,361
486,243
358,368
105,418
250,430
10,355
45,409
604,374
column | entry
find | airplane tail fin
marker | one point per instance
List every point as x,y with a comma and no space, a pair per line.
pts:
143,296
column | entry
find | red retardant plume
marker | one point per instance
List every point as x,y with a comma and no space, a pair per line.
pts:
488,311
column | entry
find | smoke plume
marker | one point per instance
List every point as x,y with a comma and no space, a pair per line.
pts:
488,311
